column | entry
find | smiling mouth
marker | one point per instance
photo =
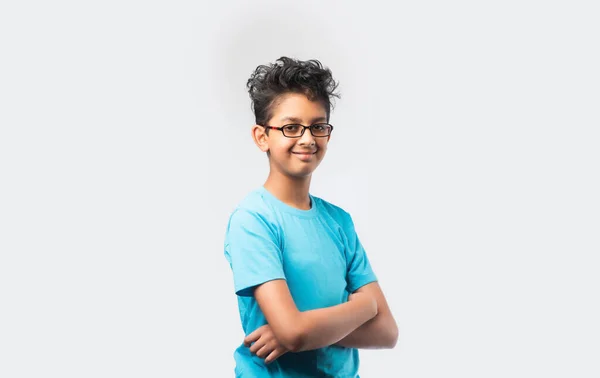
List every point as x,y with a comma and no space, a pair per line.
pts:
306,156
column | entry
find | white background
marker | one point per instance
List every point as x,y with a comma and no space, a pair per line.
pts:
465,148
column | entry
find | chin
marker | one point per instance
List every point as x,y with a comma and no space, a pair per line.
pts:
301,173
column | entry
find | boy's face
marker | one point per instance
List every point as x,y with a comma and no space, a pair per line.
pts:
294,157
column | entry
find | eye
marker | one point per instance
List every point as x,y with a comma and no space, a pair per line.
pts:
291,128
318,127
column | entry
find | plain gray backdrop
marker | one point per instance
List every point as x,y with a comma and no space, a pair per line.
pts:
465,148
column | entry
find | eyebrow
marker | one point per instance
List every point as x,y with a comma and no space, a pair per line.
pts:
298,120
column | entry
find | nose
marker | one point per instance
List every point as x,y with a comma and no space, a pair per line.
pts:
307,138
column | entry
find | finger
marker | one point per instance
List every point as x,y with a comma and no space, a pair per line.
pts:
278,352
264,351
252,337
257,345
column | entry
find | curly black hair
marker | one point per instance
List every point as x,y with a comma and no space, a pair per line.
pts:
287,75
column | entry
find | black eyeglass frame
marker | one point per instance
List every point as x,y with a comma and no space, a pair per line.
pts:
303,130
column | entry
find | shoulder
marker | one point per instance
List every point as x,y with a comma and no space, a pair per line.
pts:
253,208
334,211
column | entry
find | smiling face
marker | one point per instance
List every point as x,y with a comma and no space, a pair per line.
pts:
293,157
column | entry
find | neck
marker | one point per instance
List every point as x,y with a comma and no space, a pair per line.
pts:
289,190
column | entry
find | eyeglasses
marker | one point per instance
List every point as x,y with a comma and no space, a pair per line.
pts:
296,131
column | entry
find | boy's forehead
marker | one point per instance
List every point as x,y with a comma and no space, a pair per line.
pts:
297,108
293,119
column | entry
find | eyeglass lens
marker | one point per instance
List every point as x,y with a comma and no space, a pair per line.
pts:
319,129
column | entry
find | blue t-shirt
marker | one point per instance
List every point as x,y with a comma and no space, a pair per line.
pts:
317,252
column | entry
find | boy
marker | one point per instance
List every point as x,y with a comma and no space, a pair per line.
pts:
307,295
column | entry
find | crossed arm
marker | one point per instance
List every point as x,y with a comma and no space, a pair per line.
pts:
365,321
380,332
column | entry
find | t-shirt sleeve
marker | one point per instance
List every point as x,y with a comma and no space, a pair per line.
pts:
359,271
252,250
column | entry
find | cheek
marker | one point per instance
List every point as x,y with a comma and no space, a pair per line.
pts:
322,147
281,149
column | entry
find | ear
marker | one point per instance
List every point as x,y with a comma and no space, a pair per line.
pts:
260,137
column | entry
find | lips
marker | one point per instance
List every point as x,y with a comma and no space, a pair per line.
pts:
305,156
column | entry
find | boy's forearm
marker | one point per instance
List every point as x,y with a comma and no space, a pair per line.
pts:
326,326
377,333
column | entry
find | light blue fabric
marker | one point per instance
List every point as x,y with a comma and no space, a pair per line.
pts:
317,252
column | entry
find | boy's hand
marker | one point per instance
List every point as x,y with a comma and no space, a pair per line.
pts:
368,300
265,344
364,298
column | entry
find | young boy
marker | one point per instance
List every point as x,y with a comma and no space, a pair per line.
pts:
307,295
